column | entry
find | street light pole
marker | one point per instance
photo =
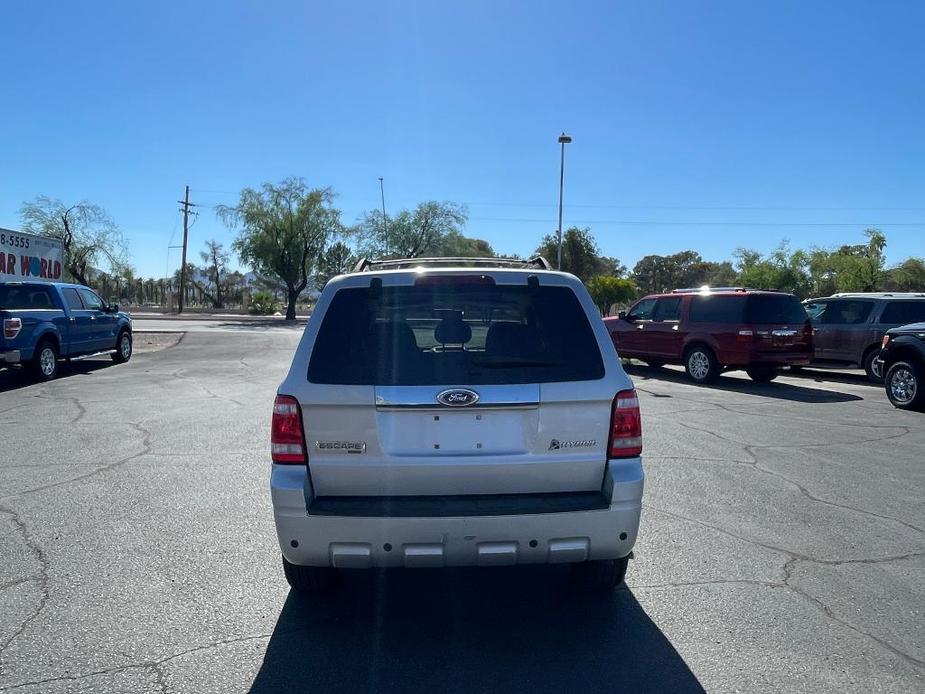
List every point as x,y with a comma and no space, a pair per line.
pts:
385,228
563,140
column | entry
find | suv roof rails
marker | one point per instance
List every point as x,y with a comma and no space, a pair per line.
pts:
705,288
365,265
876,295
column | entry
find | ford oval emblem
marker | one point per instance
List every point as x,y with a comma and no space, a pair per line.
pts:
458,397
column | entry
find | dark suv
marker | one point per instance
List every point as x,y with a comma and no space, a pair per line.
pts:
848,328
715,330
902,359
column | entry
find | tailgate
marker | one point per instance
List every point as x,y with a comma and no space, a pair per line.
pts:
456,387
409,444
780,325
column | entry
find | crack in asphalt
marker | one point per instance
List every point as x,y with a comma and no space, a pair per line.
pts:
155,666
81,410
146,449
793,558
181,374
36,550
750,451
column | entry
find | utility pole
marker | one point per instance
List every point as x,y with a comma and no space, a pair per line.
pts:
186,212
385,227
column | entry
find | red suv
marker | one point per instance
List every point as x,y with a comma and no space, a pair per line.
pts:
715,330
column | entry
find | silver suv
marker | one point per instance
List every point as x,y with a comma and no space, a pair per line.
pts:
455,413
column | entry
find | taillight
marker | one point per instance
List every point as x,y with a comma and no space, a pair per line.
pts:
286,440
625,426
11,327
745,336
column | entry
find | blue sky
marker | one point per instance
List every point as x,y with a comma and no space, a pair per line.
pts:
704,125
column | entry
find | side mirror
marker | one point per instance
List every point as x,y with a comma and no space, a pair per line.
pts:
622,315
113,308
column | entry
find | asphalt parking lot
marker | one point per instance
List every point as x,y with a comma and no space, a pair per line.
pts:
782,547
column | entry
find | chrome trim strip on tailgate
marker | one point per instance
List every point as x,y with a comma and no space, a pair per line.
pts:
523,395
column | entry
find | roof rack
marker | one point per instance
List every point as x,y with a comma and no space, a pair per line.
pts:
365,265
705,288
876,295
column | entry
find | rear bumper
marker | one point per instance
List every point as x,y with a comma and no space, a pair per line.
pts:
11,357
473,540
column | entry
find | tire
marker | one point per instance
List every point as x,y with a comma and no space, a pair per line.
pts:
123,351
309,579
601,575
904,385
44,365
869,368
700,364
655,363
762,374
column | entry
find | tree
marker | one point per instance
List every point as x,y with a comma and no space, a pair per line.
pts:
607,290
782,269
283,231
661,273
425,231
908,276
89,235
216,270
337,259
580,254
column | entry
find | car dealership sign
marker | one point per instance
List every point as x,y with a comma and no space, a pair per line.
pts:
29,257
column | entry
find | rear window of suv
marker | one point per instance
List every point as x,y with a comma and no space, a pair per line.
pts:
455,334
903,312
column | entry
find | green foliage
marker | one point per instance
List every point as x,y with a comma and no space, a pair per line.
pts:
662,273
908,276
283,231
431,229
216,270
337,259
581,255
782,269
263,303
607,290
91,239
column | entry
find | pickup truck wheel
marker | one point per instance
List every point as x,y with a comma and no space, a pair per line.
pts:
762,374
700,364
309,579
123,348
874,371
45,362
602,575
904,386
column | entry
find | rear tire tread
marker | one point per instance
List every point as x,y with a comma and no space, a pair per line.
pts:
309,579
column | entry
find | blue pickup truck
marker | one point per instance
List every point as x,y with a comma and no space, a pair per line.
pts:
45,322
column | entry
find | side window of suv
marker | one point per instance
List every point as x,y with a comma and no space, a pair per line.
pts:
845,312
903,312
814,309
717,309
644,310
668,309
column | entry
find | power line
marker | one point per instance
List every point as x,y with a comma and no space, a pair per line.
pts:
655,222
768,208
